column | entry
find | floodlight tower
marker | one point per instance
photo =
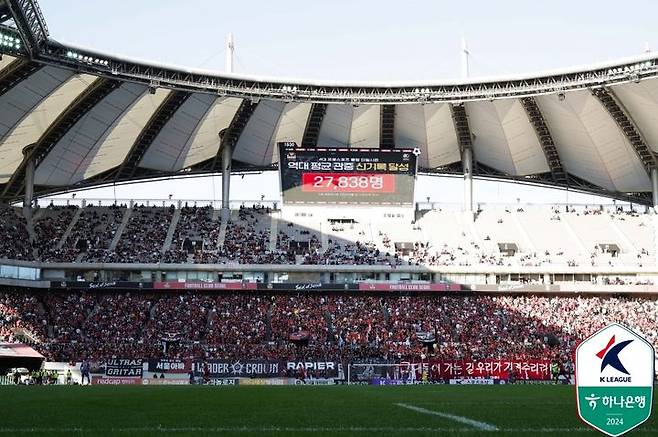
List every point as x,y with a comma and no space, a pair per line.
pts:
467,152
227,149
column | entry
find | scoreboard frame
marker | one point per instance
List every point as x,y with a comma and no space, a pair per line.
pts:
347,176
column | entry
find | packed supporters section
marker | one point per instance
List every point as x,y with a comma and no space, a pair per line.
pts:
49,230
247,239
71,326
196,233
15,241
94,232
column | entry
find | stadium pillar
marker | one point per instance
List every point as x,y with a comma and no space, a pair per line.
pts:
28,197
227,157
654,186
467,164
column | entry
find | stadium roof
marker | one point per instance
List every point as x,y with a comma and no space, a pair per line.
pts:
93,118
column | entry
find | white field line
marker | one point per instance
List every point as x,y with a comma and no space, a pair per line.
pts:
276,429
482,426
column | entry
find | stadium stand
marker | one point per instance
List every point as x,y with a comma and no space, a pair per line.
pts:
499,236
93,232
74,325
196,234
144,236
15,241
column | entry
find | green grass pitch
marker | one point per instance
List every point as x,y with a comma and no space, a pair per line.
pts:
521,410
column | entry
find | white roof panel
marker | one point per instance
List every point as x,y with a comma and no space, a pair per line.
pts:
618,155
524,147
336,126
430,128
410,130
172,141
577,151
114,147
641,101
204,143
24,96
442,146
590,143
366,127
292,123
39,119
489,141
255,144
71,156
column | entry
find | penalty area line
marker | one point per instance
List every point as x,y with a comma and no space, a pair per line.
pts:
482,426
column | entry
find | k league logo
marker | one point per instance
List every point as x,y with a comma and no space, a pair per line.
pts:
614,380
609,356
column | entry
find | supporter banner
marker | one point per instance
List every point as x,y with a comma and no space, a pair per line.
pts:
362,286
498,369
324,368
169,366
521,288
122,285
247,368
383,286
267,369
205,285
120,367
102,380
319,286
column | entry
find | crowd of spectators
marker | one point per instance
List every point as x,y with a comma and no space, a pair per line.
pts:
14,237
143,237
249,239
70,326
22,317
360,253
196,233
93,232
237,326
50,229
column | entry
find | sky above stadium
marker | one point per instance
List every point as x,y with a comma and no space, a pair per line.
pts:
357,40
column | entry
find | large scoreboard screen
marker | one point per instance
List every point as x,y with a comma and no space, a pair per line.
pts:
347,176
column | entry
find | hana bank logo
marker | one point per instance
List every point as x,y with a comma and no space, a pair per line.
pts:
609,356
